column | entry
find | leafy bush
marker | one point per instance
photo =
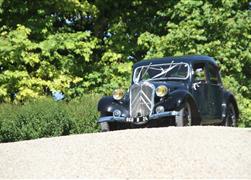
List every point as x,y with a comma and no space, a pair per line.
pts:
84,111
244,104
46,118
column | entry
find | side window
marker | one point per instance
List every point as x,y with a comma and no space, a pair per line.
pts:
213,74
200,72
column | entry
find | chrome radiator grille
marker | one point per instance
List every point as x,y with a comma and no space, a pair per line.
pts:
141,99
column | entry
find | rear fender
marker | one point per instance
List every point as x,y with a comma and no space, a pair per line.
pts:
229,98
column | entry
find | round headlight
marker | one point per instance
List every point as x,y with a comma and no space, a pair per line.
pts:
161,91
118,94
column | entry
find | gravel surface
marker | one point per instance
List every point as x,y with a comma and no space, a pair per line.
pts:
172,152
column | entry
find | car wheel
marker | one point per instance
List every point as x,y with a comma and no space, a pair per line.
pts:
104,126
185,116
231,119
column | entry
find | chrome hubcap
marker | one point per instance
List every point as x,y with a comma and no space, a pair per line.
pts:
231,117
187,116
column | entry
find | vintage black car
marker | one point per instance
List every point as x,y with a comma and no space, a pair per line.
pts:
180,91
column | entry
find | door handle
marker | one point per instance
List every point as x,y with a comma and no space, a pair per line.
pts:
196,85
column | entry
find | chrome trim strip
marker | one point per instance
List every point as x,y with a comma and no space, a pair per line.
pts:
146,103
164,114
134,98
146,96
110,119
153,94
130,96
151,101
151,117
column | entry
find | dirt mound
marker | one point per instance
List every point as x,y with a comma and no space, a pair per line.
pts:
190,152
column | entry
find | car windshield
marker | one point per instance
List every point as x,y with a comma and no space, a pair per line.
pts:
161,71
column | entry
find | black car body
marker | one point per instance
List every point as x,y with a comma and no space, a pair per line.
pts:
179,91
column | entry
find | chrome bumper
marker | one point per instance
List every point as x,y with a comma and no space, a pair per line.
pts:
151,117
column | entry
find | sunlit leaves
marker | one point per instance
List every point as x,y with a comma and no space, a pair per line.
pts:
80,46
31,70
218,29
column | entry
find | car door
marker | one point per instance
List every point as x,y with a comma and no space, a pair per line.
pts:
200,88
215,92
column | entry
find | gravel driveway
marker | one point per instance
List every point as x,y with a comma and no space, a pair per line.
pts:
172,152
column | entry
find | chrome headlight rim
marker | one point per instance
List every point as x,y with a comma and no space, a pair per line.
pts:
161,91
160,109
118,94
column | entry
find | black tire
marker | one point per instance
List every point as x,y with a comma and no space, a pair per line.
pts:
185,116
111,126
231,118
104,126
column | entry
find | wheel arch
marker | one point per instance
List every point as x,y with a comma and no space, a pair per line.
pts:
180,97
234,102
107,105
194,110
229,98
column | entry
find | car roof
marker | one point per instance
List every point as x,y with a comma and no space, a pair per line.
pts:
186,59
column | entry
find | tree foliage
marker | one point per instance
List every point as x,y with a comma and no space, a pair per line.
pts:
58,63
84,46
221,30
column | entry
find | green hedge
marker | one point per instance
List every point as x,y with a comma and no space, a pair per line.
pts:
45,118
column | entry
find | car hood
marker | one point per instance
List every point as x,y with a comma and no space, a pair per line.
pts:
172,85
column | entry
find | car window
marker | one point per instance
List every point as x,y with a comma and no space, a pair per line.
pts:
199,72
213,75
145,74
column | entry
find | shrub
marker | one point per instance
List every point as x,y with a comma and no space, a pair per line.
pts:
46,118
244,104
84,110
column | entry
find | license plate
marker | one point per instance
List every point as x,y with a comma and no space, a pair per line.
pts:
137,119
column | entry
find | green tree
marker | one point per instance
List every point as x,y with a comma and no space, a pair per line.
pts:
59,63
221,29
83,46
45,46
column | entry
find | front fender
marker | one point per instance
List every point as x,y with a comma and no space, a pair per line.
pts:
176,100
107,105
